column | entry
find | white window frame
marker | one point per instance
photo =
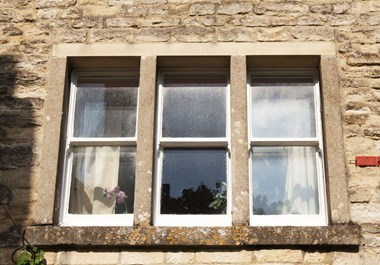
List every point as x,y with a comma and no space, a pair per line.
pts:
317,142
67,219
196,220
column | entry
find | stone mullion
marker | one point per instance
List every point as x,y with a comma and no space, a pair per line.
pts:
239,141
145,142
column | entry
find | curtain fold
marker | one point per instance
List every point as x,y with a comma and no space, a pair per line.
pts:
301,190
95,167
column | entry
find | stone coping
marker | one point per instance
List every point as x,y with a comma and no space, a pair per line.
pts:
343,234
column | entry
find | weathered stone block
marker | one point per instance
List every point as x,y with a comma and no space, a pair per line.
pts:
48,14
310,21
112,35
372,20
12,31
236,34
354,83
342,20
372,132
158,21
371,228
256,21
235,8
151,257
374,5
54,3
20,118
153,1
17,178
341,8
194,34
212,21
100,11
153,35
372,36
25,17
12,103
360,195
121,22
16,155
115,2
73,36
315,257
283,21
278,255
71,13
361,7
363,59
223,257
6,15
365,213
202,9
356,117
70,257
88,22
281,8
273,34
321,8
180,257
343,258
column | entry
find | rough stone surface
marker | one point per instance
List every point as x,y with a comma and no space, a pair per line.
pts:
193,236
29,29
281,255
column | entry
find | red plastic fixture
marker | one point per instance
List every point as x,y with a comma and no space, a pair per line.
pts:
367,161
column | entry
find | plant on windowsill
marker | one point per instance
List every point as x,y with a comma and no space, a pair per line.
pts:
220,197
117,195
26,254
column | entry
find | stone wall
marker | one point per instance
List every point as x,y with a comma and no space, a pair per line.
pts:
30,28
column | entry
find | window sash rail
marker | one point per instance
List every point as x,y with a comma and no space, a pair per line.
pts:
87,141
193,142
286,141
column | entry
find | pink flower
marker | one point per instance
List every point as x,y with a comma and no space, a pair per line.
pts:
119,195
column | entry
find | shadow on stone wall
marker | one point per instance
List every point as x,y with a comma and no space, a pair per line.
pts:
18,155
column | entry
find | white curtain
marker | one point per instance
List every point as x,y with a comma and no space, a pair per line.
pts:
301,192
96,167
301,189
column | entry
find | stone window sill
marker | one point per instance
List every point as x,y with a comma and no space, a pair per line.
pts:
343,234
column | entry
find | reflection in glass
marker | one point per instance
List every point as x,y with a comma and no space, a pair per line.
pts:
194,181
194,106
283,107
284,180
97,168
106,107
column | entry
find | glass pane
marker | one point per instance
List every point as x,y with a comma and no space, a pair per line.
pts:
283,107
194,182
106,107
284,180
194,106
103,180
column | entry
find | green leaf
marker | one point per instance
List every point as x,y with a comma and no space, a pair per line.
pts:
24,258
39,257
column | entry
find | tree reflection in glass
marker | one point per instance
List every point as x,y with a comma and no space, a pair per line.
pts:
192,181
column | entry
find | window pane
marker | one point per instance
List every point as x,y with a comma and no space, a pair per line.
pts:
97,168
194,106
284,180
194,182
106,107
283,107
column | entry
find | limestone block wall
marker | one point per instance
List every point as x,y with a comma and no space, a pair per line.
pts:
29,29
